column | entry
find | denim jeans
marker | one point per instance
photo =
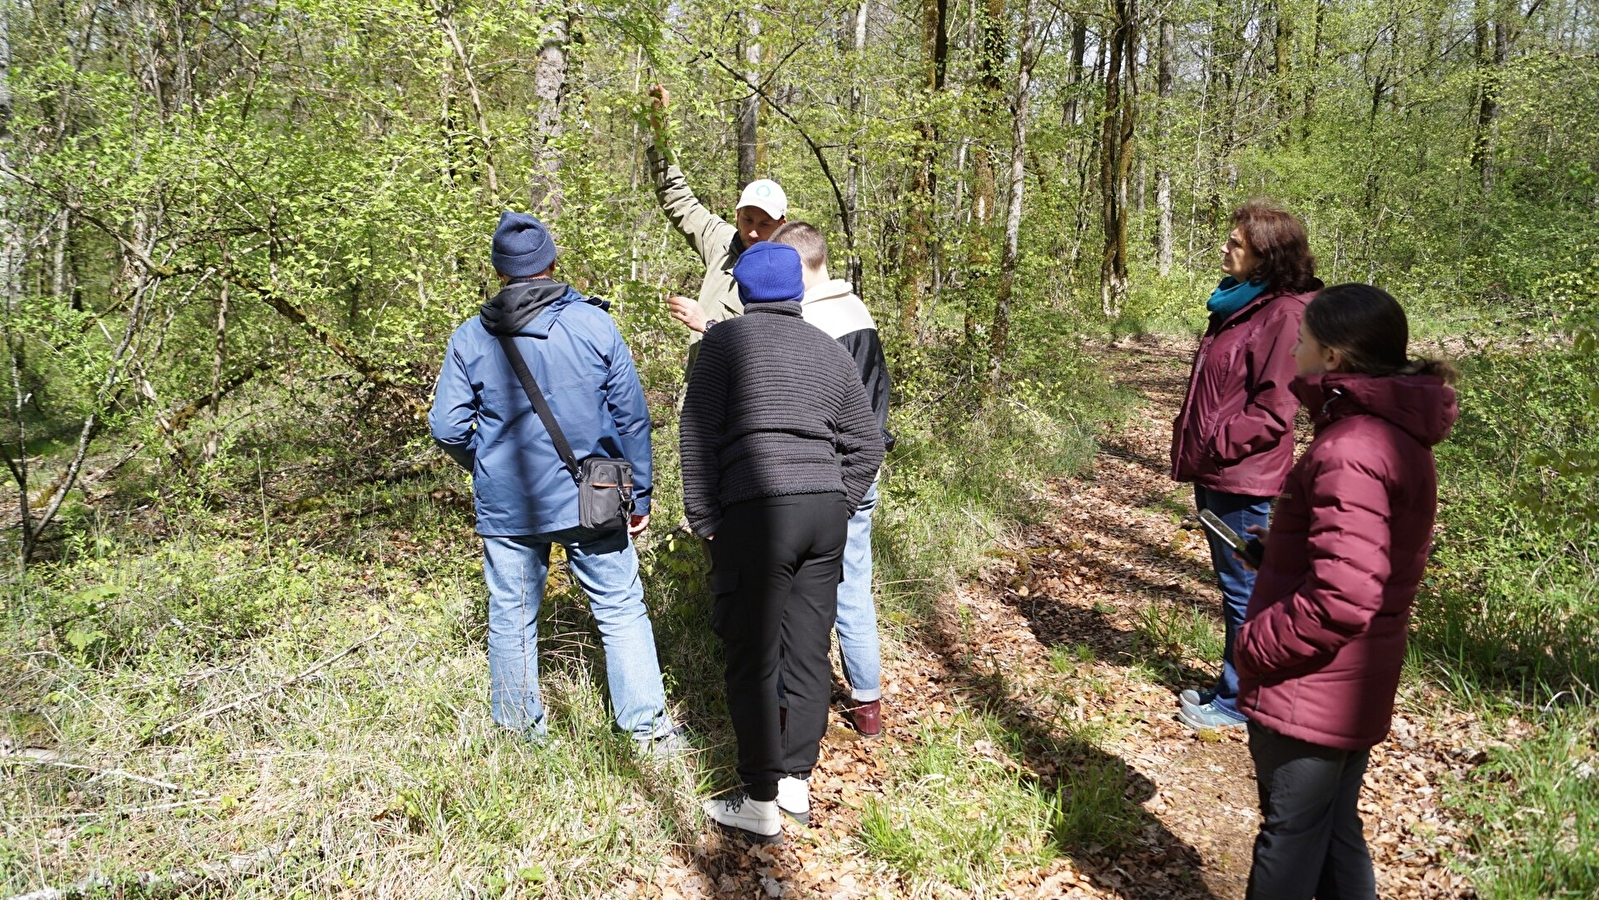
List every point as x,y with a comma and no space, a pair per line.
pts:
605,564
1239,511
857,614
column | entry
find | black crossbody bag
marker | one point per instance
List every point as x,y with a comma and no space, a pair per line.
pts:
604,485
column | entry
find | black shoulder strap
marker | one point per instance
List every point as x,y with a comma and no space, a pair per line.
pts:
540,405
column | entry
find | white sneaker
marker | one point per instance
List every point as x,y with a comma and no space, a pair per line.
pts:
756,819
794,798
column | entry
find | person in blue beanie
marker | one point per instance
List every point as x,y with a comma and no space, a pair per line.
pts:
779,446
524,495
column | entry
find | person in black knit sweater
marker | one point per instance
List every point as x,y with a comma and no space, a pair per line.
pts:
779,444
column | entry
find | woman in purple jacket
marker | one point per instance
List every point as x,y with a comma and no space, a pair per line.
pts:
1323,641
1234,438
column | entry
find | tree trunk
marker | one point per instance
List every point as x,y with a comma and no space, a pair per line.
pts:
749,109
475,98
1315,69
1163,197
857,160
1072,115
1115,154
989,62
219,350
549,89
920,253
1282,62
999,335
1492,40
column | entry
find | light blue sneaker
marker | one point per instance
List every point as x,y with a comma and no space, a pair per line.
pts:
1196,697
1210,715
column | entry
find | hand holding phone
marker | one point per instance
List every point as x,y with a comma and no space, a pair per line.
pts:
1252,550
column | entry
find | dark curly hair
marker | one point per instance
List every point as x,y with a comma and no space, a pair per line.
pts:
1278,238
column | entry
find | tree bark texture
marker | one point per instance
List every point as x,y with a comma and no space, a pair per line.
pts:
1115,154
999,335
549,89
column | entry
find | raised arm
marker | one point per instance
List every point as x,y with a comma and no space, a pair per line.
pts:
706,232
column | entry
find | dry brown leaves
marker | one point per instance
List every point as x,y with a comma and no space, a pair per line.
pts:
1110,551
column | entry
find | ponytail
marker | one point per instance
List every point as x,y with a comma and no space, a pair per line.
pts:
1436,368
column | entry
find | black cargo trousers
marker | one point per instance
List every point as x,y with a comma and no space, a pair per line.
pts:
775,567
1311,842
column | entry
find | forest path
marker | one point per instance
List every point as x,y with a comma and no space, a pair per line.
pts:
1077,637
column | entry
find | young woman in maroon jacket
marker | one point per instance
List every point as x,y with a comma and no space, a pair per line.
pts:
1323,640
1234,438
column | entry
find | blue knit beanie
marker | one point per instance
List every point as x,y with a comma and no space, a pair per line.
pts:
769,273
522,246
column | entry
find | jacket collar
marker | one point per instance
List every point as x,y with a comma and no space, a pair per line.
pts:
776,308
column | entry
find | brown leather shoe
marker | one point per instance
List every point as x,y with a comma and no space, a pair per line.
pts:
866,718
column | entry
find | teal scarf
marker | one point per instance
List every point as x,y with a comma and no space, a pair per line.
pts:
1230,296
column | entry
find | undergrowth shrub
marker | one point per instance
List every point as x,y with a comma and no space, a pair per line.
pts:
1513,598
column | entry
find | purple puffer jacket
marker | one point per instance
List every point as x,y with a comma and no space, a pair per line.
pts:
1235,432
1323,640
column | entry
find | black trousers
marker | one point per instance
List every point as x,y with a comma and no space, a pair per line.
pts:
775,567
1311,843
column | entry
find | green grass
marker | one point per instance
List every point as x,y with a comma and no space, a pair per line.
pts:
290,641
956,812
1535,808
1507,618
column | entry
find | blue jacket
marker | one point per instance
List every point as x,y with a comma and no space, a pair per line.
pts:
483,419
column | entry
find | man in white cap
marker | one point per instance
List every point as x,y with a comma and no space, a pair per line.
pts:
762,209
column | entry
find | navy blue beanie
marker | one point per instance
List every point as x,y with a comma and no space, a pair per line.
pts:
522,246
769,273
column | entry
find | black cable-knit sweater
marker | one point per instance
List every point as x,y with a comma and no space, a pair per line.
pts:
774,407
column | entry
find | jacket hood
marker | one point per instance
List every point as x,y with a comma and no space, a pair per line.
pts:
1420,405
519,303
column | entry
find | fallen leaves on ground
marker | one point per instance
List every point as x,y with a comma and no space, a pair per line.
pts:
1061,636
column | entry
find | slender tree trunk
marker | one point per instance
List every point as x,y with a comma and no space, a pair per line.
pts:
475,98
857,160
749,109
991,58
1282,62
549,89
999,335
11,264
1116,153
920,254
219,351
1163,197
1492,40
1315,69
1074,72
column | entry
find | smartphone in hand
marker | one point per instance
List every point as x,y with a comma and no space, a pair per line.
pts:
1252,550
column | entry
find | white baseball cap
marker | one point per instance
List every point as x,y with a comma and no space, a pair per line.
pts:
767,195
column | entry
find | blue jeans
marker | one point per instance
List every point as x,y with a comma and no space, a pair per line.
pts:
605,564
1239,511
857,614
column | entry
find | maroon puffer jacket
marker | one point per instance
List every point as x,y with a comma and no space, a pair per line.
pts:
1235,432
1324,637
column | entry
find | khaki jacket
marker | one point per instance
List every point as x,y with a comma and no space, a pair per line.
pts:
710,235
